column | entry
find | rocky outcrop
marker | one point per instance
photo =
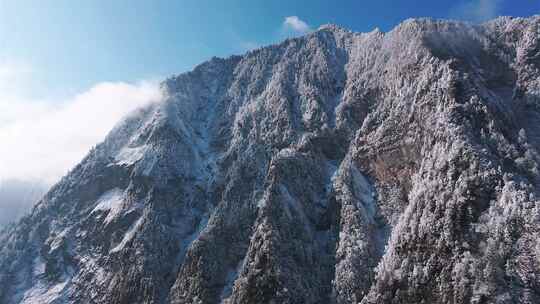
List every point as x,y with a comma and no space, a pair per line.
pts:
337,167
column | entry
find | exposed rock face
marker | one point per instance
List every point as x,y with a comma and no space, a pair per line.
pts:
338,167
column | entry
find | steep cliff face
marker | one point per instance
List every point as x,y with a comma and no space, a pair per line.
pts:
337,167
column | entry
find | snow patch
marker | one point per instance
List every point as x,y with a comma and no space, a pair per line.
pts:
58,240
298,208
129,156
363,191
111,201
42,294
39,266
261,203
286,153
332,169
130,234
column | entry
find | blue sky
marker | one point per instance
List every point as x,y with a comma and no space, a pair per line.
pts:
71,45
70,70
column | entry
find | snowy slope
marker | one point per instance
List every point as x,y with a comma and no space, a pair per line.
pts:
337,167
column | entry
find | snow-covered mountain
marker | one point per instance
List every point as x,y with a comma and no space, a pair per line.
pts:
338,167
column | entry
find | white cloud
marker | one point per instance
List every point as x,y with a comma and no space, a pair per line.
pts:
291,26
477,10
42,140
296,25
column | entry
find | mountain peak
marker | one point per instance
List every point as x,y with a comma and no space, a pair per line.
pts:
331,27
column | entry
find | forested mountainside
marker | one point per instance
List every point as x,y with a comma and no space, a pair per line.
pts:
338,167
